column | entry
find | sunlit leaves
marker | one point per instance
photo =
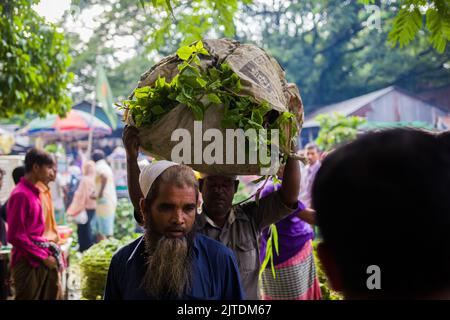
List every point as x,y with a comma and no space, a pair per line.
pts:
406,25
439,28
192,20
272,242
33,63
336,128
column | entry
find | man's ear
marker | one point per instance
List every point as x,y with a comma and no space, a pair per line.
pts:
236,185
143,209
329,267
200,184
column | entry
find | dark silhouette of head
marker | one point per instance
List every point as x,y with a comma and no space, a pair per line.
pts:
98,155
384,200
18,173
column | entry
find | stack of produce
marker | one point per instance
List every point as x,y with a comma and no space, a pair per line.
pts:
224,84
94,266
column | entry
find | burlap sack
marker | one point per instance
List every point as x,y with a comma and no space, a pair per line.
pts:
261,78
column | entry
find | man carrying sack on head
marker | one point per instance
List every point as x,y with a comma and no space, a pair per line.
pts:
237,227
172,261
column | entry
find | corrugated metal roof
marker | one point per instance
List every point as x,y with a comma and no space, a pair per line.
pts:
439,97
347,107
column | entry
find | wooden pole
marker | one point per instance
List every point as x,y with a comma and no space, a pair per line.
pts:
91,129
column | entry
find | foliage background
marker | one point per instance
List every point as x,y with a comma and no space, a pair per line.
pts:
33,62
327,47
336,129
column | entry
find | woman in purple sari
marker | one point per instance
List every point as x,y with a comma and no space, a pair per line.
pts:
295,271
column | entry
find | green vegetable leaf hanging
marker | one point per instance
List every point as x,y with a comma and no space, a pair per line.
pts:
199,45
275,237
158,110
267,258
214,98
185,52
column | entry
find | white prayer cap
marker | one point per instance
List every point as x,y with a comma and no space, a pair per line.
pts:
152,171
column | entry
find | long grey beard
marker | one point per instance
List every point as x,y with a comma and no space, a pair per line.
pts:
169,266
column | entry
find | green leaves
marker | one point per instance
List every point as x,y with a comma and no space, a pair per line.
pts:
169,7
276,181
200,49
272,242
194,19
184,53
96,260
406,25
409,21
214,98
33,63
336,129
439,28
257,117
198,89
274,230
202,82
197,110
157,110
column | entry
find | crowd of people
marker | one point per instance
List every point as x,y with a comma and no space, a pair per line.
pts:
33,211
380,202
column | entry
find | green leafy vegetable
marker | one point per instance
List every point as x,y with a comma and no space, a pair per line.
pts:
272,241
198,89
95,264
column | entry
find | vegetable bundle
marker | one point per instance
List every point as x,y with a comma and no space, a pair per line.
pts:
94,266
222,83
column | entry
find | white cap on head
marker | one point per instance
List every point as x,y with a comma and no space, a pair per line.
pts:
151,172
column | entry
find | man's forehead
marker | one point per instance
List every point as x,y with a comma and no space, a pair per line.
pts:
170,192
46,166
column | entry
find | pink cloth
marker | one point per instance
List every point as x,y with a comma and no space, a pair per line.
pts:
81,199
26,224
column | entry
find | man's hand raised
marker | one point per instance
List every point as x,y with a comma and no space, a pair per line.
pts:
131,142
130,139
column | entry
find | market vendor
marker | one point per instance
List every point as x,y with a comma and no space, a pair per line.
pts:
48,210
238,227
172,261
35,261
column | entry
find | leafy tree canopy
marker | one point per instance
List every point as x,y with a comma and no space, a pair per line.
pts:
415,15
33,62
326,46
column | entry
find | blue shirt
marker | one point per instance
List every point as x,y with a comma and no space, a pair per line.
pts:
216,276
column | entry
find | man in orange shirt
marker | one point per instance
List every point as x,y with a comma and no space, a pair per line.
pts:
51,232
48,211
